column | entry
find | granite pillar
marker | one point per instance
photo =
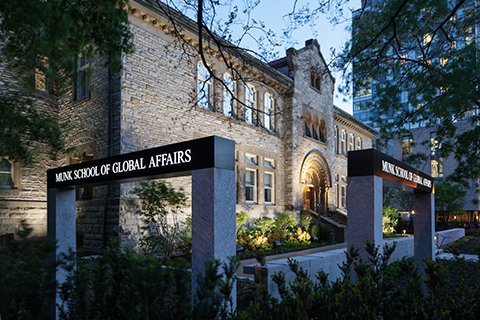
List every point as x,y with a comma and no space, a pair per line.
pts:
424,226
365,206
61,228
213,220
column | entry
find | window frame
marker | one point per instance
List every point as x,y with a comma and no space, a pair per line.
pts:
268,118
10,173
83,67
271,187
252,185
204,87
228,99
250,104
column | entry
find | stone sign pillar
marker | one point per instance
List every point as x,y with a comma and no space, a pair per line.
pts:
213,220
366,171
210,161
61,227
424,226
365,205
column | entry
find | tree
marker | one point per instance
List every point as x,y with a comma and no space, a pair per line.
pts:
44,38
449,196
426,52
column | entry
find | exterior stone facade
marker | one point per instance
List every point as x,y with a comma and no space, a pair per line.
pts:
287,159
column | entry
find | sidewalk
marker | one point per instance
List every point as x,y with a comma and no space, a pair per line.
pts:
449,256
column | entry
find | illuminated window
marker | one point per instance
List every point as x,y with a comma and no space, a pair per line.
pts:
322,131
407,146
434,144
82,79
268,111
307,125
250,185
443,61
228,91
427,39
268,187
204,87
250,104
453,44
436,168
6,174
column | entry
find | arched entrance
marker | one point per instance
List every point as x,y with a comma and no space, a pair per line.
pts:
315,181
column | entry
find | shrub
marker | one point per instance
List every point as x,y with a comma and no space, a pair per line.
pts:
27,285
285,221
160,206
265,224
305,221
390,219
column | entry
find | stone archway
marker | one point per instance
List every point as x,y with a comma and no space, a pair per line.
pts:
315,182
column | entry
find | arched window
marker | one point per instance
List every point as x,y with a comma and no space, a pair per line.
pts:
6,174
323,131
250,104
315,128
204,87
268,105
307,123
228,90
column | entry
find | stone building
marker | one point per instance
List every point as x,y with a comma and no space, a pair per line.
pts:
291,141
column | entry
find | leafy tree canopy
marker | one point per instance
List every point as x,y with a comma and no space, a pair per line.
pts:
420,59
47,36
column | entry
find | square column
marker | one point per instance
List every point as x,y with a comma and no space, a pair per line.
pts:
61,228
213,220
365,206
424,227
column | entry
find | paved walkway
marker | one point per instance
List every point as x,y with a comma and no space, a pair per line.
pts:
292,254
449,256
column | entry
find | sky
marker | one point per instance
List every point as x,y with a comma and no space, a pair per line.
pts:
329,35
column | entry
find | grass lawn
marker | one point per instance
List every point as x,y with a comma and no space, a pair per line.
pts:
467,245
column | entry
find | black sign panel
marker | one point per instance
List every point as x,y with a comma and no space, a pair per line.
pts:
166,161
371,162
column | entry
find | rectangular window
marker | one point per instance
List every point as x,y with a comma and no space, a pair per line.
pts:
82,78
351,139
407,146
250,104
436,168
359,144
337,138
6,176
40,80
204,87
269,163
250,158
343,197
268,187
250,185
268,111
343,142
228,92
434,145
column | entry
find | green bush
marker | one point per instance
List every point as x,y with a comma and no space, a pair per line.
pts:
285,221
390,219
27,284
160,208
265,224
305,221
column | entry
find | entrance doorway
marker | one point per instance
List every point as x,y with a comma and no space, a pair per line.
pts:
315,182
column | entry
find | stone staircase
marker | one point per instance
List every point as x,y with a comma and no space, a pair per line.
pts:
336,220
